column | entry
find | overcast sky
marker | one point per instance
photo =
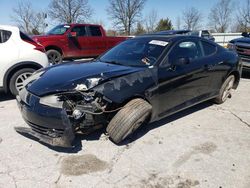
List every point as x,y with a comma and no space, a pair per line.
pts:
165,8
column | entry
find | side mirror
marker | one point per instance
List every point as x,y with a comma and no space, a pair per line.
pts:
183,61
245,34
72,34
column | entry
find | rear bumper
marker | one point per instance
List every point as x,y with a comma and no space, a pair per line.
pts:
47,125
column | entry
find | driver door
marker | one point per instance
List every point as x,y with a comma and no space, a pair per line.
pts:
79,45
182,78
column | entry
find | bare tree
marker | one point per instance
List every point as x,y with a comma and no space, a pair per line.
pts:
178,23
125,13
27,19
220,15
139,29
70,11
192,18
151,21
243,17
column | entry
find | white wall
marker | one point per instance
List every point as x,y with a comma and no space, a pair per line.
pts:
224,38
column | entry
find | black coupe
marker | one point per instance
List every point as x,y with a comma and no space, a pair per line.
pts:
141,80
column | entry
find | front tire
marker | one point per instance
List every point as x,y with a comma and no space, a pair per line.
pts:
128,119
17,80
54,56
226,89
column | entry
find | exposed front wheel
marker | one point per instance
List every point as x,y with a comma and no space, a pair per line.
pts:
17,80
54,57
226,89
128,119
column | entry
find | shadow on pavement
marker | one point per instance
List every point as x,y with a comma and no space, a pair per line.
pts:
137,135
246,74
144,129
5,97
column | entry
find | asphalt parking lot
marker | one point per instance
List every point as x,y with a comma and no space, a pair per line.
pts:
205,146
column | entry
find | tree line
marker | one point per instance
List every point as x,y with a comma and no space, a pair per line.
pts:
127,18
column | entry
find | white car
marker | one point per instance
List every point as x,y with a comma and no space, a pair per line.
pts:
20,56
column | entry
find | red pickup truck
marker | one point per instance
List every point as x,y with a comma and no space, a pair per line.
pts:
70,41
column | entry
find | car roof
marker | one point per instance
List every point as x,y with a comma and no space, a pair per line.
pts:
172,32
168,38
79,24
9,28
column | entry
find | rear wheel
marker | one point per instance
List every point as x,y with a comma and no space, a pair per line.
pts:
54,56
17,80
225,91
128,119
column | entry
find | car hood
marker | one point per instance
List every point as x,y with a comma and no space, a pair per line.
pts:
41,38
241,40
76,75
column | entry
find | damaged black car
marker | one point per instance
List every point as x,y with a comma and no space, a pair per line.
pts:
139,81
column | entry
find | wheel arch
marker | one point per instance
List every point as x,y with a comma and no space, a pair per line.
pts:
124,102
12,70
237,78
53,47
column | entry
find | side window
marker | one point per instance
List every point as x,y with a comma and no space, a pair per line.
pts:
186,49
95,31
208,48
4,36
80,30
25,37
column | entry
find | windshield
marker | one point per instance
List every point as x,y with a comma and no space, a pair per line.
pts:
135,52
58,30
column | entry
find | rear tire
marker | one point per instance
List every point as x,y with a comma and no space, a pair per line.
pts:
225,91
54,56
17,80
128,119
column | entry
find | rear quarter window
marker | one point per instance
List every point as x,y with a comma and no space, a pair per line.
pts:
208,48
26,38
95,31
4,36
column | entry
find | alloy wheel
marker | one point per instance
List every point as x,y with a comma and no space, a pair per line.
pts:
20,80
54,58
228,89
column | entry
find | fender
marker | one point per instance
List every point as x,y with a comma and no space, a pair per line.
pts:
55,47
16,67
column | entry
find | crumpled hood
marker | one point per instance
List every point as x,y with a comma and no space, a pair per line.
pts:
66,77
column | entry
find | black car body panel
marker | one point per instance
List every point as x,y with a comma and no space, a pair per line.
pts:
74,73
62,100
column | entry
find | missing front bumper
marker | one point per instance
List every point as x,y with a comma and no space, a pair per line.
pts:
57,131
64,141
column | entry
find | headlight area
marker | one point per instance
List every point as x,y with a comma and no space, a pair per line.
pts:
51,101
231,46
87,111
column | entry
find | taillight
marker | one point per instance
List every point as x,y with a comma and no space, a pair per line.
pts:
40,48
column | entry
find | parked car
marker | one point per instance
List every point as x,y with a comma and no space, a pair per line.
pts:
199,33
202,33
172,32
242,47
141,80
70,41
20,57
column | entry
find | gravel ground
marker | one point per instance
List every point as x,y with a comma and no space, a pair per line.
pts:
205,146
